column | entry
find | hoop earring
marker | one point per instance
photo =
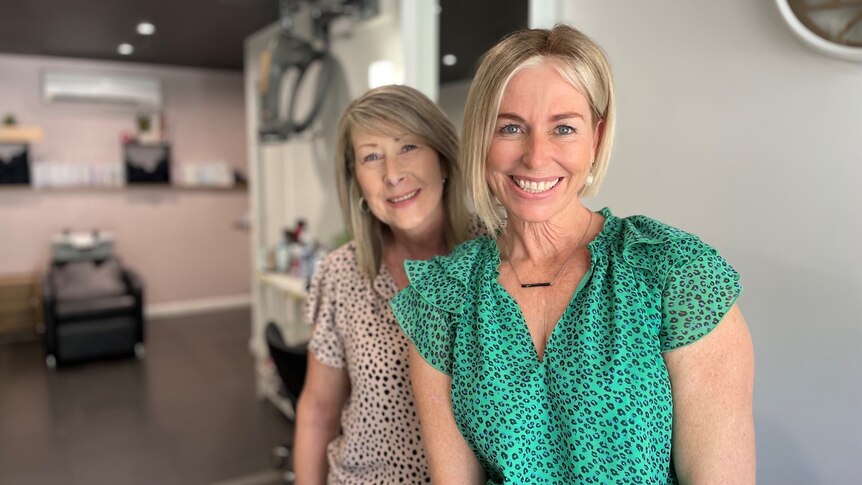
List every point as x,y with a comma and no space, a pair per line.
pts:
363,205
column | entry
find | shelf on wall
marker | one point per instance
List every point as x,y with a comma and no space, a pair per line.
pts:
237,187
20,134
289,285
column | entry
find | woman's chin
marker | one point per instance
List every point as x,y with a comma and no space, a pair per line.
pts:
531,216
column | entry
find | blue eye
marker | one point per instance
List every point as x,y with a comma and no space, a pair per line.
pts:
510,129
371,157
408,148
564,130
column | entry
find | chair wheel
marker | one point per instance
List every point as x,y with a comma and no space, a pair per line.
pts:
140,352
51,362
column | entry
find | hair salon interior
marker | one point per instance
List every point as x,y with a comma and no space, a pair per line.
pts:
167,185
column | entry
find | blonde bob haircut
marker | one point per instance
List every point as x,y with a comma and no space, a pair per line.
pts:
579,60
393,110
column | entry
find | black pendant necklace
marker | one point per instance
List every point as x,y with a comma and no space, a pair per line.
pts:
560,271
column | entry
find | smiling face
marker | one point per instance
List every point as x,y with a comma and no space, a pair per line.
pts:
542,147
401,180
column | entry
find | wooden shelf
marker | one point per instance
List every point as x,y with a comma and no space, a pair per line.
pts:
289,285
228,188
20,134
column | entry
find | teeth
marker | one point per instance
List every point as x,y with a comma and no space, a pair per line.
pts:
534,187
404,197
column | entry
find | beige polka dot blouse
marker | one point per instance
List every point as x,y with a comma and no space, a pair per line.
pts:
354,329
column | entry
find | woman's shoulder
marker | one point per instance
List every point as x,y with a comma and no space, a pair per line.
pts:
465,256
645,229
651,244
339,259
444,281
459,264
338,264
344,253
476,228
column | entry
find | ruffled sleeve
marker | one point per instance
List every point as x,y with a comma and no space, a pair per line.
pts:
326,343
428,309
698,285
698,293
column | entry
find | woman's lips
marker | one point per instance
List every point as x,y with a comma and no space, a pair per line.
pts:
404,197
535,187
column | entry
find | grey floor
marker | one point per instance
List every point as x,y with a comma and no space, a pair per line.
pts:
186,414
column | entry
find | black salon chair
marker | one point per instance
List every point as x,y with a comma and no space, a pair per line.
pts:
93,309
290,363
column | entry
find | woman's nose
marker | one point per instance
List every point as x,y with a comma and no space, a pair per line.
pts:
537,150
394,173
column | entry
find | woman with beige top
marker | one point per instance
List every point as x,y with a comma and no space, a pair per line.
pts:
402,198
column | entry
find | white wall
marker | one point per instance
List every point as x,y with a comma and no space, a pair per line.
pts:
297,177
732,129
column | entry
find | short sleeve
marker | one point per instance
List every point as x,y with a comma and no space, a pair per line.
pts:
699,290
429,309
320,304
430,328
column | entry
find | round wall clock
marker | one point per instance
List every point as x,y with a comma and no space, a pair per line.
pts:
833,27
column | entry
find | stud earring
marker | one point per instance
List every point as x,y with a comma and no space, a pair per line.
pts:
589,180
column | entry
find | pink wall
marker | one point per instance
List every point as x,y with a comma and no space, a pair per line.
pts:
183,242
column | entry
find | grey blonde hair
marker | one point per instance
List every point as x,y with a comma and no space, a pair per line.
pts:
394,110
577,58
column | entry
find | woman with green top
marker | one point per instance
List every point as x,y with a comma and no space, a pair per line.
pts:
576,346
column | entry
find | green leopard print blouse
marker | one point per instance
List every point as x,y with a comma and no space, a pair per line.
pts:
597,408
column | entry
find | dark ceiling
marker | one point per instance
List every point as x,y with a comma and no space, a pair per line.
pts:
199,33
468,28
210,33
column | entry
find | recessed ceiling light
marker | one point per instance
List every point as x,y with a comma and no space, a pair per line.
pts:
146,28
450,60
125,49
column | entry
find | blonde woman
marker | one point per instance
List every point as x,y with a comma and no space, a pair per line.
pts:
576,346
402,198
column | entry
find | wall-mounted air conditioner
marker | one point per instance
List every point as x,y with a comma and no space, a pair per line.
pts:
138,91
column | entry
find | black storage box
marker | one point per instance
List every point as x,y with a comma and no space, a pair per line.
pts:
147,164
14,163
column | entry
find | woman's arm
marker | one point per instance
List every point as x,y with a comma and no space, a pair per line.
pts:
450,459
318,416
713,427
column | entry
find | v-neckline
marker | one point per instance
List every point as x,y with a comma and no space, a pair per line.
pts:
524,330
